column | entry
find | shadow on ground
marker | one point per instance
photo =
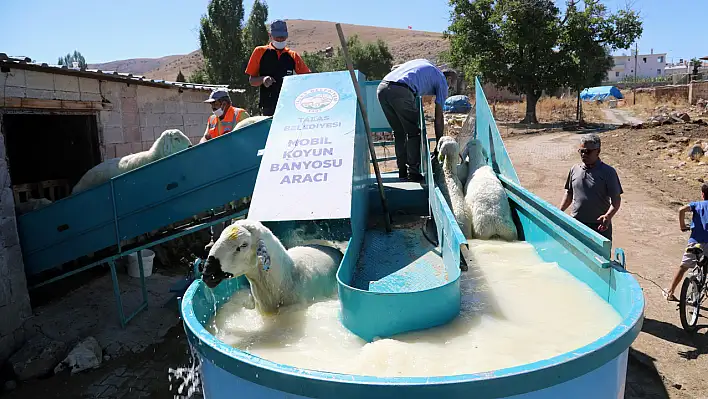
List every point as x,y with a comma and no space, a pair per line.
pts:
669,332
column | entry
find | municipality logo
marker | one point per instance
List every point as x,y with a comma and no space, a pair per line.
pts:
316,100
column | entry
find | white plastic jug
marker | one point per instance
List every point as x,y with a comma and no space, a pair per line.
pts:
134,268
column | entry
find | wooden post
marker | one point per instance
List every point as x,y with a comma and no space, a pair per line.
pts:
372,151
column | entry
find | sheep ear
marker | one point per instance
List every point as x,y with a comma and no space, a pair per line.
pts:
263,256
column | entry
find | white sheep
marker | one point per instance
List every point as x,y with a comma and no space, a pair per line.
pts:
278,277
486,198
249,121
169,142
472,162
448,153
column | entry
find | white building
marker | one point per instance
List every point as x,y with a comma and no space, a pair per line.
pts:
647,65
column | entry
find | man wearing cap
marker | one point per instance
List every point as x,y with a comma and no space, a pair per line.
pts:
269,64
397,94
225,116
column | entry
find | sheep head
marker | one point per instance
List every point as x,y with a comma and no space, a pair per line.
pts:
170,142
476,152
238,251
448,148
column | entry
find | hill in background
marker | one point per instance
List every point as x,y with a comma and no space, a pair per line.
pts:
305,35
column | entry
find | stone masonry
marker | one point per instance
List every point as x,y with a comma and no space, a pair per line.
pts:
133,116
14,299
696,91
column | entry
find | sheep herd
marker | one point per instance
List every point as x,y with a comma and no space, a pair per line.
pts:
480,204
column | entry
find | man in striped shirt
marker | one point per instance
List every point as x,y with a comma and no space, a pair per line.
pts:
397,94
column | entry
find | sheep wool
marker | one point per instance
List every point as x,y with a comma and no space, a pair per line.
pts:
490,209
250,121
448,153
277,277
474,155
169,142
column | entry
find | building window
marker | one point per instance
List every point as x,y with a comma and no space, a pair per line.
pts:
617,74
629,59
658,72
661,59
644,59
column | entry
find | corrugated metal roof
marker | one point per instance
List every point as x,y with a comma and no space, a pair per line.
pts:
23,62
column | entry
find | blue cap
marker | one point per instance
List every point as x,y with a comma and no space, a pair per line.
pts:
218,94
279,28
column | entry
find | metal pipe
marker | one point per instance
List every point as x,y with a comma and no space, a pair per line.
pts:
350,66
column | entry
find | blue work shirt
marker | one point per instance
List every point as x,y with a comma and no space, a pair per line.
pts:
423,77
699,222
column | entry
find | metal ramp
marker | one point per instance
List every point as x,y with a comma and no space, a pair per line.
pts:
99,221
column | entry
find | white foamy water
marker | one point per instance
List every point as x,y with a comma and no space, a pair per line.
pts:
516,309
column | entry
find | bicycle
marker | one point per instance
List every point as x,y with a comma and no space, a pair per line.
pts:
694,290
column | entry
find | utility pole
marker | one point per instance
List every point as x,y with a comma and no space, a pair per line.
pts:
636,54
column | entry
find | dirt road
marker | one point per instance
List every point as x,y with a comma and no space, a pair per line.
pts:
648,232
620,117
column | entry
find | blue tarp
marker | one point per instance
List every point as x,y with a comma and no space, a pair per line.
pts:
457,104
600,93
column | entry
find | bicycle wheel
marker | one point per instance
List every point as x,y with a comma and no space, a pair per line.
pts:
689,303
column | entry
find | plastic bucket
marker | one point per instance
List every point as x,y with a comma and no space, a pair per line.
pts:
134,268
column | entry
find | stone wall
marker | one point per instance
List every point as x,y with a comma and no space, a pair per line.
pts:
697,90
141,113
14,300
136,115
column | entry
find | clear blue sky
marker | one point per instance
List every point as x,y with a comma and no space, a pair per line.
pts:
111,30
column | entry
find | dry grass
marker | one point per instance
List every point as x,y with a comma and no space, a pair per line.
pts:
647,104
548,110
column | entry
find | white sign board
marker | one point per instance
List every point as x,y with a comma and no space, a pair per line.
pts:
307,165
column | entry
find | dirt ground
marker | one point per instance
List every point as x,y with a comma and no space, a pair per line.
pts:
646,227
657,178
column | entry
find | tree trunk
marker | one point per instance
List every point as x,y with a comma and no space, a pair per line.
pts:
531,100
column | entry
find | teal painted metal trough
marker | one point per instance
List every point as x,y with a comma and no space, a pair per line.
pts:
386,303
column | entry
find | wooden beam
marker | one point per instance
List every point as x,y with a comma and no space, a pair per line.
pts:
67,105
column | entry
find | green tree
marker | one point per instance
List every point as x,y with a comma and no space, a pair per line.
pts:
221,41
70,58
529,47
373,59
199,76
589,38
254,34
256,31
180,77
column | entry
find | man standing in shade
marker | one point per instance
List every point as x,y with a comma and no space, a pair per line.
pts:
269,64
593,188
397,94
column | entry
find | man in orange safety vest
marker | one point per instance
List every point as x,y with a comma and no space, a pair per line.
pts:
225,116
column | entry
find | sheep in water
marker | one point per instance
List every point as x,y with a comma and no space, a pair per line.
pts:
169,142
448,153
278,277
486,198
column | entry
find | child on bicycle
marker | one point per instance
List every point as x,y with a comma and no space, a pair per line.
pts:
699,235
